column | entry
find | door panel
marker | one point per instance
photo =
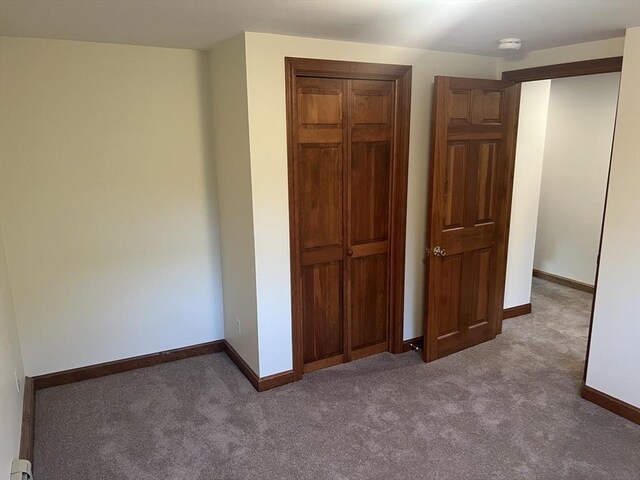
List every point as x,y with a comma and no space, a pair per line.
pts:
320,195
371,102
369,183
481,262
320,105
369,302
472,165
487,106
370,173
460,107
322,329
320,154
487,157
454,187
449,295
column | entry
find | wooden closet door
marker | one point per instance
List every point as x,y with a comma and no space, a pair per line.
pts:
348,143
319,171
371,129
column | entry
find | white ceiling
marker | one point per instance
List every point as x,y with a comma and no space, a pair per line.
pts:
468,26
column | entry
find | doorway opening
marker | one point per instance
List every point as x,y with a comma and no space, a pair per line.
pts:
563,156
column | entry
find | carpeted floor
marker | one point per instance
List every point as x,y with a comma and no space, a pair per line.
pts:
508,409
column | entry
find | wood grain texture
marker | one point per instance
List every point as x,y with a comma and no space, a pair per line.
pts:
369,192
320,195
323,320
610,403
561,70
516,311
358,113
311,67
369,309
124,365
28,420
567,282
313,365
321,142
373,349
368,215
473,153
454,191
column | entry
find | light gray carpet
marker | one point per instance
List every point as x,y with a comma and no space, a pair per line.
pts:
507,409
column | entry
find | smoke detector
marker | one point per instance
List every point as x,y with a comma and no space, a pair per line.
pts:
510,44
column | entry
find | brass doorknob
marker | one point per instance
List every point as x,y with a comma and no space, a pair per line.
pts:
439,251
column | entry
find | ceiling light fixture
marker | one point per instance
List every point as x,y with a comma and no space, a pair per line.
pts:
510,44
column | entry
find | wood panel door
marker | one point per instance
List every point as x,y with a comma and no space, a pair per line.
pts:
320,161
348,139
368,219
473,157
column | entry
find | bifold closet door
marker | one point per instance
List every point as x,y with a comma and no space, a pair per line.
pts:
319,178
342,174
368,212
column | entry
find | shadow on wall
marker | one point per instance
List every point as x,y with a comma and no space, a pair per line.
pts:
206,124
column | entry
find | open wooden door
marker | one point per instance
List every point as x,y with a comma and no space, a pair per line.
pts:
474,133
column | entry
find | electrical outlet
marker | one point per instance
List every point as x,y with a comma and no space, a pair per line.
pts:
15,374
238,327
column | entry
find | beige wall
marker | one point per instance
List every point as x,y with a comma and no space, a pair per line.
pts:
614,359
532,129
233,171
10,367
267,126
577,152
571,53
108,192
107,200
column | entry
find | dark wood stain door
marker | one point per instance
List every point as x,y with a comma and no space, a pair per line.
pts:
369,185
474,134
343,155
321,157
